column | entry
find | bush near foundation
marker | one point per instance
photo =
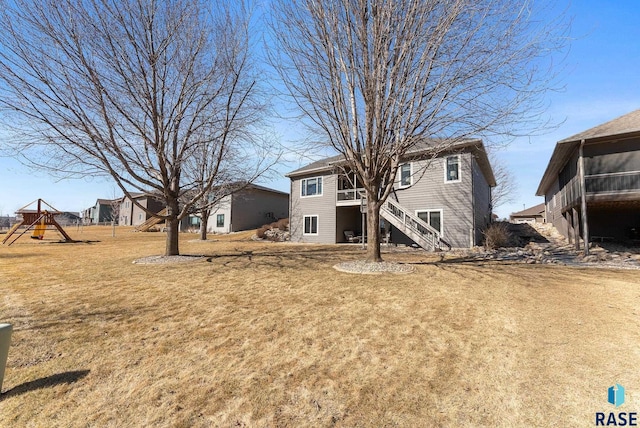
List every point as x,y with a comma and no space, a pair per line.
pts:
496,235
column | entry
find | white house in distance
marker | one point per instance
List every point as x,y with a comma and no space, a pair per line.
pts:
248,208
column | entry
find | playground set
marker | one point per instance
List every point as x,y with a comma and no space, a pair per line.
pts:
37,221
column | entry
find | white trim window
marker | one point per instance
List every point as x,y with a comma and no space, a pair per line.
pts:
405,176
432,217
220,220
311,187
310,225
452,169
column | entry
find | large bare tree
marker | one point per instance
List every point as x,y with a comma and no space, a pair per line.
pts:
381,78
132,89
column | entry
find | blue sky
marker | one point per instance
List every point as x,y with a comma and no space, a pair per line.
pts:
601,80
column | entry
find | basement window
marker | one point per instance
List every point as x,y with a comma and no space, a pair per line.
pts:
311,225
432,217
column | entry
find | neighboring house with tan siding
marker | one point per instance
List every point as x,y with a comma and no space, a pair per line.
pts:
535,214
248,208
132,215
592,183
441,200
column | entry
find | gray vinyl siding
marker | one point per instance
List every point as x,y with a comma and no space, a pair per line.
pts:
105,213
553,208
101,213
454,199
568,173
133,215
562,221
481,202
323,206
253,208
138,215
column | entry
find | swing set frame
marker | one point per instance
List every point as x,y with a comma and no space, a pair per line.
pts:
37,220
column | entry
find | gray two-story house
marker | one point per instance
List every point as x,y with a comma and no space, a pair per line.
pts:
447,195
248,208
104,211
591,185
132,215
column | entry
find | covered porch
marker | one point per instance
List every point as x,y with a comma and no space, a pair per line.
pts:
349,219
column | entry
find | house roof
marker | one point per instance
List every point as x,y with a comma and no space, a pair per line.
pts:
241,185
474,145
72,215
626,126
107,201
319,165
266,189
535,210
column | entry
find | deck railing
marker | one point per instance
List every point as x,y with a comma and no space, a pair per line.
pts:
350,194
613,182
429,235
599,184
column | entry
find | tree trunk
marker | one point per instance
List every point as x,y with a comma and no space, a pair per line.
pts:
204,222
172,229
373,232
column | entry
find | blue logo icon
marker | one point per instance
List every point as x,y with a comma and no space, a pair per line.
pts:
616,395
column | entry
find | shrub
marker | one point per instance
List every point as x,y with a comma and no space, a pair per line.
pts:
283,224
260,232
496,235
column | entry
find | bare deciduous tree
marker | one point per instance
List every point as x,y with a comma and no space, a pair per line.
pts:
377,79
239,169
131,89
506,190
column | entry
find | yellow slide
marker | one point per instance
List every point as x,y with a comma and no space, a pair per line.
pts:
38,231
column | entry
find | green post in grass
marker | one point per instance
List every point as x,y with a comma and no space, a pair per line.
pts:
5,341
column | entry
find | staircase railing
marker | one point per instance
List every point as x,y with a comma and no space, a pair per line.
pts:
151,221
413,223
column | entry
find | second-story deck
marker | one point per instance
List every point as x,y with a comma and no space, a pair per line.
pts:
610,187
348,197
348,192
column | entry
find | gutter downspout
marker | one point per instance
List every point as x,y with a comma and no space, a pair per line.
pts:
583,205
472,238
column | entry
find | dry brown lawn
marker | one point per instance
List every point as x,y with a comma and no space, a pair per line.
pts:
265,334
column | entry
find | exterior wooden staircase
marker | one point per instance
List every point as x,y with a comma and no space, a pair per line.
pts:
144,227
413,226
